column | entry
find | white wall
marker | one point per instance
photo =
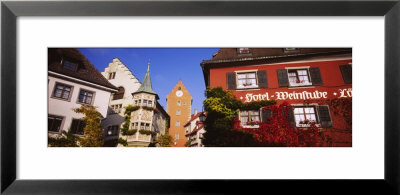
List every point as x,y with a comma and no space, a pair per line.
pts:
65,108
123,78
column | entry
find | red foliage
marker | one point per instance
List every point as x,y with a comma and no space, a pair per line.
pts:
277,130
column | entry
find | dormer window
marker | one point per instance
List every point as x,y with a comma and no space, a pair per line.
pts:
289,50
241,51
68,65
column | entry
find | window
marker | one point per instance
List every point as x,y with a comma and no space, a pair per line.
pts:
249,117
112,130
119,94
299,77
304,116
111,75
62,91
147,126
77,126
288,50
176,135
141,126
179,88
69,65
134,125
85,97
54,123
179,103
244,51
178,112
177,124
116,108
144,102
150,103
247,80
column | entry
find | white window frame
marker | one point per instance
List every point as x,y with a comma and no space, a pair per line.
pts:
246,87
317,121
305,84
245,125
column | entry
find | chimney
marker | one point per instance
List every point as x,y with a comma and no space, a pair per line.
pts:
195,111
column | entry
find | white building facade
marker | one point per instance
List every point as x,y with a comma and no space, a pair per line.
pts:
194,130
73,81
120,76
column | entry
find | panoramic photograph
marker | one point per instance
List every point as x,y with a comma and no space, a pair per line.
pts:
199,97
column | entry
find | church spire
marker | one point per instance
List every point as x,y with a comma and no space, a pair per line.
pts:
146,84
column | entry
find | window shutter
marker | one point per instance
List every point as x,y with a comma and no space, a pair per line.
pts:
262,79
315,75
324,116
283,79
291,117
265,115
346,73
231,80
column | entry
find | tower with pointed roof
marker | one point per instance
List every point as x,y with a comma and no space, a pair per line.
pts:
179,108
149,118
143,116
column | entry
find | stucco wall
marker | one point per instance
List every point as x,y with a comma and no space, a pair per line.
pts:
65,108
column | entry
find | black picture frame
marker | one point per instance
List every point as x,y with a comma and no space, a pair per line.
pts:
10,10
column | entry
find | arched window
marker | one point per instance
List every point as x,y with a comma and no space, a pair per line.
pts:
119,94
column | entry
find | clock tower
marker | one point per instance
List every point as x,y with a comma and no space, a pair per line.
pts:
179,108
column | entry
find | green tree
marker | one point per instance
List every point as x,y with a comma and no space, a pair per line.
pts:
93,132
222,108
66,139
164,140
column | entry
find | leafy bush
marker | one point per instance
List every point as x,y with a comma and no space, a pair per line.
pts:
66,139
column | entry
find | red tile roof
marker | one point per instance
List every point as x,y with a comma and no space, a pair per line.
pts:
193,117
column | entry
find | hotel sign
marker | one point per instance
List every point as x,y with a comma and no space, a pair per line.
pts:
297,95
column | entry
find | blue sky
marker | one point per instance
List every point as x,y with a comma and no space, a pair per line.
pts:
168,65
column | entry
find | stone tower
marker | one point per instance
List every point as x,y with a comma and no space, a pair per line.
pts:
145,102
179,108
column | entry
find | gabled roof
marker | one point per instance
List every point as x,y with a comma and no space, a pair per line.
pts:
195,116
199,126
85,70
146,84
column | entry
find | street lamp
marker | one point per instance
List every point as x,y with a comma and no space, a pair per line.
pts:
202,117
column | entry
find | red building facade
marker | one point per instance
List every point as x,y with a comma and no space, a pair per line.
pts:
316,82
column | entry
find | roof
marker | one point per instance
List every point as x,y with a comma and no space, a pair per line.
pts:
230,54
198,127
193,117
146,84
85,70
229,57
